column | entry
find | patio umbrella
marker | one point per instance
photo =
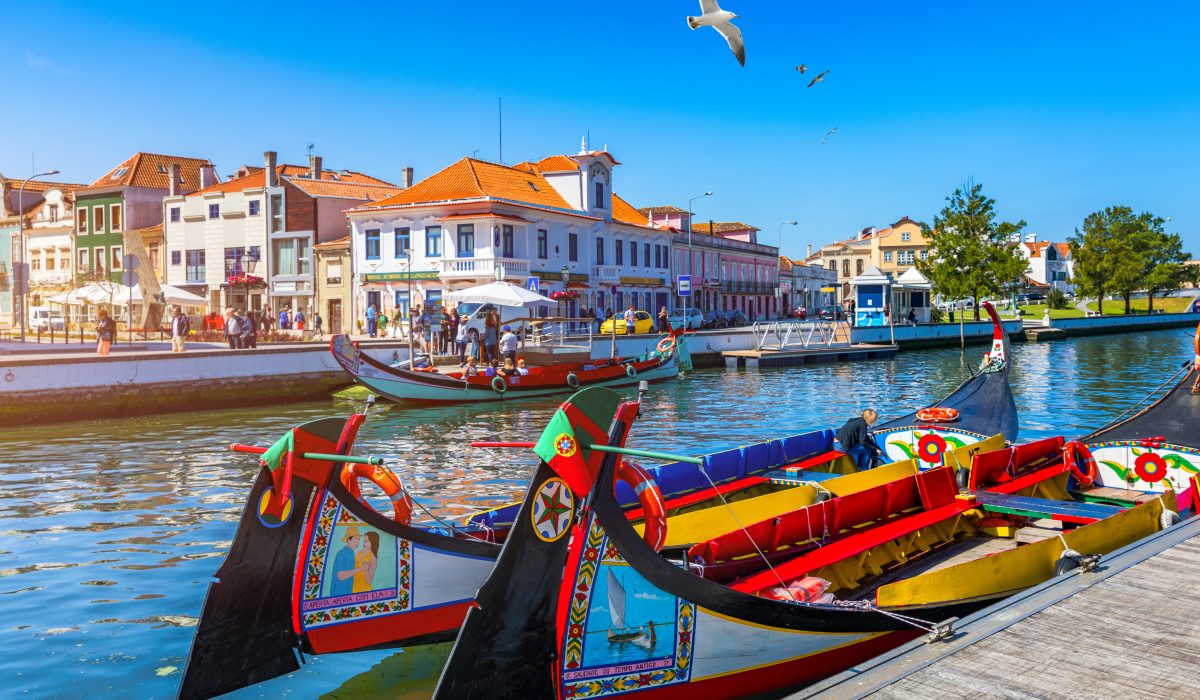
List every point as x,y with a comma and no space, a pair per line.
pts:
498,293
174,295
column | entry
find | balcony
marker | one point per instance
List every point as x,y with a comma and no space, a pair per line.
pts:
482,268
606,273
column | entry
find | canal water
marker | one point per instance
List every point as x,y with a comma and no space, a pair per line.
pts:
110,530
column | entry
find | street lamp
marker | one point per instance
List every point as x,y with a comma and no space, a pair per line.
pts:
566,278
412,358
691,215
779,251
24,290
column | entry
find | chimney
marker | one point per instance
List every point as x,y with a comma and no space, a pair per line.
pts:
269,164
406,178
809,254
314,167
208,175
1031,238
173,185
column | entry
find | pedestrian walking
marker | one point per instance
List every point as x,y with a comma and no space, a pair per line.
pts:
106,332
508,345
397,324
285,319
266,319
180,327
372,320
249,331
630,320
664,323
491,335
383,325
318,322
233,329
445,334
426,322
460,340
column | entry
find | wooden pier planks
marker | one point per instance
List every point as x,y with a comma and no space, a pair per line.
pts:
1131,630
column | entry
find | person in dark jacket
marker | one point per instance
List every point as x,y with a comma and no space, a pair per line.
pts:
233,329
856,439
249,330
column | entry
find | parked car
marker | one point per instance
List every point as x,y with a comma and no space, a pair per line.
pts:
46,319
1031,298
477,316
642,323
714,319
733,318
832,313
688,319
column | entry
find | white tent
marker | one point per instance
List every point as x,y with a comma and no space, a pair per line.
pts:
94,293
174,295
498,293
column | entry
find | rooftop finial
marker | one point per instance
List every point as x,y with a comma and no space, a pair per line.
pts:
582,145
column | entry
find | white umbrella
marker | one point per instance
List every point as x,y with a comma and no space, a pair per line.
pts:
498,293
174,295
92,293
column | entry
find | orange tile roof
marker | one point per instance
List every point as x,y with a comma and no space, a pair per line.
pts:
551,164
345,190
255,180
1064,249
785,264
1036,248
335,244
288,170
471,179
650,211
720,227
42,185
624,212
480,215
152,170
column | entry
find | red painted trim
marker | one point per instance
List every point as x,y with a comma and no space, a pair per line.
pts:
702,495
1031,479
302,558
392,629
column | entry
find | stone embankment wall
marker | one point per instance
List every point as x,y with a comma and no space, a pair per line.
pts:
1121,324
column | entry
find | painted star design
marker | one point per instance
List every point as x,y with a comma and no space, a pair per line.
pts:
552,509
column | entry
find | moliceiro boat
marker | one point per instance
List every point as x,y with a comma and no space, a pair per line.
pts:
430,385
767,607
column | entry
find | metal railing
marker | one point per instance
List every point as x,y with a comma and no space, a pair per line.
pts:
485,266
797,334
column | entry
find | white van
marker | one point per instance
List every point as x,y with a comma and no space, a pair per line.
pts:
46,319
476,314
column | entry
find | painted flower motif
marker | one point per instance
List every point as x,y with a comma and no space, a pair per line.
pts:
931,447
1150,467
575,630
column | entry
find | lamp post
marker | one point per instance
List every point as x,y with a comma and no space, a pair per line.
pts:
412,358
778,252
24,290
566,279
249,262
691,216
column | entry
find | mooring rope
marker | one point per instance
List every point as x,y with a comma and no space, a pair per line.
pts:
1153,392
924,625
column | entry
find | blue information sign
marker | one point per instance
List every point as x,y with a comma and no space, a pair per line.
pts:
531,283
685,285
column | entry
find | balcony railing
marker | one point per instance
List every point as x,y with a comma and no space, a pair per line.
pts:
467,268
606,273
748,287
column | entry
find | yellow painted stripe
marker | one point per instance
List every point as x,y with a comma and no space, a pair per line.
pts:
1025,566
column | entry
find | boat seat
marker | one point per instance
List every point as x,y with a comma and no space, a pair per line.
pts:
1028,506
799,447
1001,466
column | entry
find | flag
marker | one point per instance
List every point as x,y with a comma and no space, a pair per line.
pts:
276,453
577,425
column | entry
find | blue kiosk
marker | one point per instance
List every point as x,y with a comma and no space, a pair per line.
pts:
872,291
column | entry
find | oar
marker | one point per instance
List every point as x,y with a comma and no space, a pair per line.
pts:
350,459
646,454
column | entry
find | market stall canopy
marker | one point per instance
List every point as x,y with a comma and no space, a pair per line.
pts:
912,279
174,295
94,293
498,293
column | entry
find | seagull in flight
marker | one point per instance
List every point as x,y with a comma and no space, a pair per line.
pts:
828,134
819,79
802,67
720,20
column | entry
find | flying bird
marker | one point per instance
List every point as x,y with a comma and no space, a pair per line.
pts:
802,67
720,20
827,135
819,79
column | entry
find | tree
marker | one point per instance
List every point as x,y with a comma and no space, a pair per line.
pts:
1121,252
970,254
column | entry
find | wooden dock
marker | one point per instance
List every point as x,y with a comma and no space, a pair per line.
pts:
1128,630
774,357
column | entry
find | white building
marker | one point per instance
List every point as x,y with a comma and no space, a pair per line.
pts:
1050,264
49,216
263,222
555,218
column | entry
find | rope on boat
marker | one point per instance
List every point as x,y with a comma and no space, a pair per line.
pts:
748,536
1187,367
923,625
443,522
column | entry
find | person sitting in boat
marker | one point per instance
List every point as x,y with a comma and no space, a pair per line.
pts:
1196,369
491,369
509,369
856,439
471,370
521,368
508,345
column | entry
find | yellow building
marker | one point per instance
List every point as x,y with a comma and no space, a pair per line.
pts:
894,250
333,293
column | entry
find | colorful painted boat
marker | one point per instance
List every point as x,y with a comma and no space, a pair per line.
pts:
985,398
539,628
402,384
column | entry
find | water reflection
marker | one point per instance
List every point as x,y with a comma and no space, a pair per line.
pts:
111,530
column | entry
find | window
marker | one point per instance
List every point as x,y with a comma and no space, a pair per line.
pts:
98,254
543,244
657,256
466,240
64,261
619,249
433,241
97,219
599,203
403,241
50,261
599,250
303,256
176,257
887,256
174,215
276,213
52,211
115,257
924,254
114,217
905,236
291,255
372,247
254,207
573,247
214,211
858,266
195,265
633,247
833,266
846,267
646,253
235,262
506,241
82,216
402,299
254,253
333,273
35,263
85,259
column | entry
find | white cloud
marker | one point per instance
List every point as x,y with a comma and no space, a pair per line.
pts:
647,596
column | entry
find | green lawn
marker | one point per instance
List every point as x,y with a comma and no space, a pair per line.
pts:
1168,305
1035,311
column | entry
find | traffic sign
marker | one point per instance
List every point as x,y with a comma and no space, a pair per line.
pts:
129,261
531,283
685,285
128,277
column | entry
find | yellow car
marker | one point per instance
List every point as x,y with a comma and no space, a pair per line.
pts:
642,323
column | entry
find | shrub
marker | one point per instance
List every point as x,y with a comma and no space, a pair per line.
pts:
1056,298
936,315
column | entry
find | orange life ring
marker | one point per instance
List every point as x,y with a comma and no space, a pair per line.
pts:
654,510
386,480
425,369
1196,340
668,344
1075,452
938,414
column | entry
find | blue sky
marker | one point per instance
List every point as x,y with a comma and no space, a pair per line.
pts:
1057,108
